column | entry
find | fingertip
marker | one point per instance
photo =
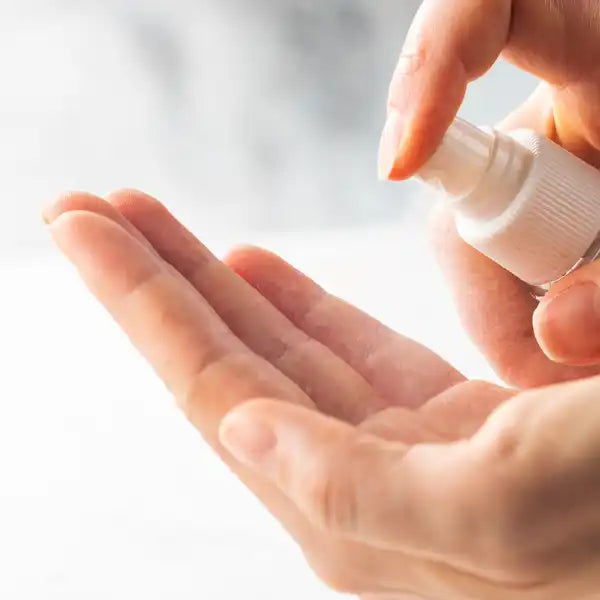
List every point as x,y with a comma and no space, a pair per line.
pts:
241,251
130,195
79,227
131,202
70,201
420,113
542,336
246,434
407,142
567,324
390,150
246,259
75,232
270,274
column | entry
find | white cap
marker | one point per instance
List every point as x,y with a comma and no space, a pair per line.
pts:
521,200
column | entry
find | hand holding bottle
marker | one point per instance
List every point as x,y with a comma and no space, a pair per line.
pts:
449,45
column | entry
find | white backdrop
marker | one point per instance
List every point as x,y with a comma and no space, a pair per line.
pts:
239,112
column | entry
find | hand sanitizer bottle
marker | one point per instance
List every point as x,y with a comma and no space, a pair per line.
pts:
520,199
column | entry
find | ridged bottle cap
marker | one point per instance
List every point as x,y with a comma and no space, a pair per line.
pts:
551,222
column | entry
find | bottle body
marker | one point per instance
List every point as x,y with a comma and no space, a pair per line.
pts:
520,199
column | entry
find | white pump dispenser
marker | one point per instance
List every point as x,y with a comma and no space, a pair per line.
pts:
520,199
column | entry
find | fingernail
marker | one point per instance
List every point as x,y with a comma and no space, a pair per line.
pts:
49,212
46,214
248,439
391,143
568,325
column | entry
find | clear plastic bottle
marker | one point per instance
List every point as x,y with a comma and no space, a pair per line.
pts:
520,199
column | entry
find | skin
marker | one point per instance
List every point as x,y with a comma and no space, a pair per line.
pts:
398,478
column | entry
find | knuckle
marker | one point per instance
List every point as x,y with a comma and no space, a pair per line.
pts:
323,497
194,393
331,499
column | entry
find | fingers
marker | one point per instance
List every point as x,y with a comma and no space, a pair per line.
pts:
459,412
449,44
524,354
536,113
567,321
349,483
399,424
455,414
453,43
455,508
170,323
82,201
400,370
334,387
496,310
194,352
205,365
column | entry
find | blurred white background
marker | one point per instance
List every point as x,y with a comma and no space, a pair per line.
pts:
254,121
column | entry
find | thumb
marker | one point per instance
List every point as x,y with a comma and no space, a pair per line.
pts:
350,483
567,321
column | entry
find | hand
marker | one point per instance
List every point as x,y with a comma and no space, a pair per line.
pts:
218,338
510,513
449,45
377,456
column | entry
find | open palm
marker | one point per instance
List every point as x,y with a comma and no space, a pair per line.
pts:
220,334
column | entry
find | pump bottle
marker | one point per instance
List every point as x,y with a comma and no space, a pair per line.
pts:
520,199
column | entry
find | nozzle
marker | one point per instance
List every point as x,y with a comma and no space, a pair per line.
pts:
461,160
